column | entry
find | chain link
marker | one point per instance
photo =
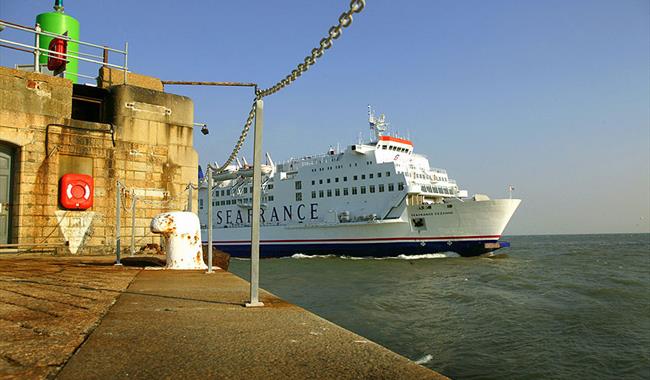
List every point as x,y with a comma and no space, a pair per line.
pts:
334,32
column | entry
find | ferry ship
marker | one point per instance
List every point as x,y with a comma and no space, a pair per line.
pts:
372,199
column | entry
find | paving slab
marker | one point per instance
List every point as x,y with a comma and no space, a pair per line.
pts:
189,324
49,305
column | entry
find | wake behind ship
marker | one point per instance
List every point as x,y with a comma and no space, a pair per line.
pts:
373,199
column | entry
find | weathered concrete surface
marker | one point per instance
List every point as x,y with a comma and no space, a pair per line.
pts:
192,325
48,306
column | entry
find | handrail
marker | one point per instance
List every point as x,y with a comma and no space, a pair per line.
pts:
81,56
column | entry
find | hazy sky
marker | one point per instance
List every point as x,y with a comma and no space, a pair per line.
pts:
550,96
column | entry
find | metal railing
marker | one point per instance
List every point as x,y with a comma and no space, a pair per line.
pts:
37,51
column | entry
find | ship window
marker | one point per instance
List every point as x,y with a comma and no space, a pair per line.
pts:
298,197
313,182
336,179
329,192
371,175
313,194
345,179
363,176
372,188
355,177
418,222
329,180
345,191
354,191
321,193
363,189
391,187
298,185
337,192
381,188
320,181
400,186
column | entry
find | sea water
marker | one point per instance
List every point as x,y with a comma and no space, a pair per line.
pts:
565,307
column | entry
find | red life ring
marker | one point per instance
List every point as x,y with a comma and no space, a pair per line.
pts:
56,61
76,191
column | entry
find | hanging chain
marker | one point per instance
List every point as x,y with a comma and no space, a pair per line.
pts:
334,32
240,141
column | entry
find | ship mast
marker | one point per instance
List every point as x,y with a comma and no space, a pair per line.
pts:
377,124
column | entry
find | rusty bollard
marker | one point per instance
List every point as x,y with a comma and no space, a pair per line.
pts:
182,233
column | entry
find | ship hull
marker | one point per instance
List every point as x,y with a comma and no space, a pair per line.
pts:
466,228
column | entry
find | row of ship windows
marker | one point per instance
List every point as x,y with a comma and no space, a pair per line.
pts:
228,202
314,170
395,148
298,184
245,190
354,190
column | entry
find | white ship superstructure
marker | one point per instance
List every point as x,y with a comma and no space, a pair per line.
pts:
377,198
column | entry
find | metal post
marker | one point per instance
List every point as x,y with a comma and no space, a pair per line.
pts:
105,56
209,220
117,225
37,45
189,197
257,189
133,225
126,61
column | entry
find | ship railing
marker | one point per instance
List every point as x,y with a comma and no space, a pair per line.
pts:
92,57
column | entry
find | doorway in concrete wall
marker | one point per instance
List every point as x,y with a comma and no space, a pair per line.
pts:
6,181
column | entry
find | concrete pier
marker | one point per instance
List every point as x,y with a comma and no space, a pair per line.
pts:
180,324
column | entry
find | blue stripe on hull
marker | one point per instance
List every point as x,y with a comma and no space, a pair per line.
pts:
464,248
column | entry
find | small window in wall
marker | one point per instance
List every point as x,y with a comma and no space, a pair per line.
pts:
298,197
313,194
329,192
371,175
354,191
298,185
201,204
345,191
363,176
321,193
391,187
337,192
363,189
400,186
345,179
381,188
372,188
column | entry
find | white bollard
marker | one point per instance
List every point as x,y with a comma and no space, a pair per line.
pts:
182,233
